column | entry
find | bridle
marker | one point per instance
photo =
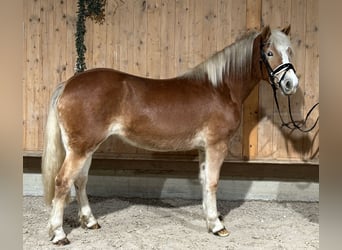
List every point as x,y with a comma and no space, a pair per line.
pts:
272,75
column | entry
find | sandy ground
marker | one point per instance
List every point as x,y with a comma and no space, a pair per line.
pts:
177,224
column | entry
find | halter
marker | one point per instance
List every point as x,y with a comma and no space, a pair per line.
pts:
272,75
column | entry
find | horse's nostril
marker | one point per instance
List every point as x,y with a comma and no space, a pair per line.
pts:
288,85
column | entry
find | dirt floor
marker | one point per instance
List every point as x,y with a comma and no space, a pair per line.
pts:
177,224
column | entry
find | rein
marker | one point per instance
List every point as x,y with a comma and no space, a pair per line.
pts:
272,76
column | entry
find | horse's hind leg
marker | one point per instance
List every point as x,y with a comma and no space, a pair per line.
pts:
86,217
69,171
214,157
202,177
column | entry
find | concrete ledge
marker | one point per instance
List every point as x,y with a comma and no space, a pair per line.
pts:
155,187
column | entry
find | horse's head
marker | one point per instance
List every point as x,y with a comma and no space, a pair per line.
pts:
276,53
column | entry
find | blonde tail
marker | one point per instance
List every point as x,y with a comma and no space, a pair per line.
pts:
54,153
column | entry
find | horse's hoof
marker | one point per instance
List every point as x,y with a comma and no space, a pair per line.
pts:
95,226
222,233
62,242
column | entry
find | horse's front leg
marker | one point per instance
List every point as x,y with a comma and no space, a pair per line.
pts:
214,157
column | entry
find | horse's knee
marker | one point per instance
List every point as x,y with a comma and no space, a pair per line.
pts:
62,186
212,186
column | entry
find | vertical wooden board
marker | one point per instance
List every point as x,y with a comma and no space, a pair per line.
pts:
48,80
113,9
112,60
103,34
238,27
99,44
265,131
126,35
311,87
167,39
224,37
140,38
181,36
127,32
33,64
276,14
290,142
121,33
196,18
238,18
251,104
153,38
60,35
88,42
281,16
24,76
140,48
209,28
71,55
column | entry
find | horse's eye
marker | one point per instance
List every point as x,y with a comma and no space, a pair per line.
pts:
269,53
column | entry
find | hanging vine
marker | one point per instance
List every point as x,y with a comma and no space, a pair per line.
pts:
95,10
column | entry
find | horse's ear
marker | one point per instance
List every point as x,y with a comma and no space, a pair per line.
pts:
286,30
265,34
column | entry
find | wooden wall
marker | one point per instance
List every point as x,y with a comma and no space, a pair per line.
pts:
164,38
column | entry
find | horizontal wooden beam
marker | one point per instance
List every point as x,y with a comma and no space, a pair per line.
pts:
189,169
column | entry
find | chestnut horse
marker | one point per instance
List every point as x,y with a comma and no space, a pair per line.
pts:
200,109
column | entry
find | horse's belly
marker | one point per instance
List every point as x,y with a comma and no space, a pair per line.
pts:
156,140
161,144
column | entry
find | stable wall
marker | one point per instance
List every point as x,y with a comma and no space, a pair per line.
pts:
164,38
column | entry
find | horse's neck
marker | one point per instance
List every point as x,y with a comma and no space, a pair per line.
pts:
244,85
240,88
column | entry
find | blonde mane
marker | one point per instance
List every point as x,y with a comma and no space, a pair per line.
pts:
236,59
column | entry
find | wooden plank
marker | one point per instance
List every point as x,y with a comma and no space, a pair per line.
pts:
280,17
140,38
167,39
290,143
266,103
59,35
209,28
238,18
49,76
153,38
113,9
112,59
196,19
99,36
71,18
225,12
238,27
181,36
251,104
276,14
33,64
88,41
311,87
25,73
126,37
